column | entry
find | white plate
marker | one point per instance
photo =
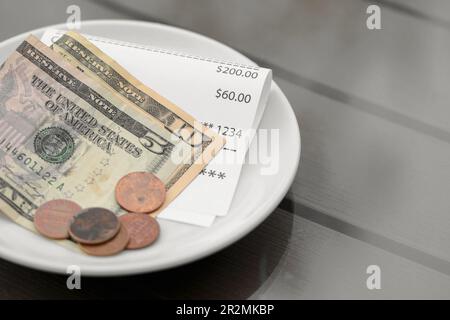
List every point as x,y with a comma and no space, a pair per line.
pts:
256,197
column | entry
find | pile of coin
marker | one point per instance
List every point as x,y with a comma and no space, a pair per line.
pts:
99,231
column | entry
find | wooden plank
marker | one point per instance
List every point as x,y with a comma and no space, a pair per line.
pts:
434,11
372,173
286,257
320,263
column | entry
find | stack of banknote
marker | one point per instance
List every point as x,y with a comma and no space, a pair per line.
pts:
71,129
227,93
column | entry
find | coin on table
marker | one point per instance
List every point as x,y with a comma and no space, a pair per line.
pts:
142,229
52,219
94,225
108,248
140,192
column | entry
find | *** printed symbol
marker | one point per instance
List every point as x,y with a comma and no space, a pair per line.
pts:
203,172
212,173
98,171
210,125
221,175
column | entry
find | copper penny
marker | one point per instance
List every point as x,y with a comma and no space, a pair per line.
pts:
108,248
142,229
52,219
140,192
94,225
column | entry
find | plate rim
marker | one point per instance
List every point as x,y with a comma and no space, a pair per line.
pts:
257,217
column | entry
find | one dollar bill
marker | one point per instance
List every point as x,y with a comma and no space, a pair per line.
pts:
65,135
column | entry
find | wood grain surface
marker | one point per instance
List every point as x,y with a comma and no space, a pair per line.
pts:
374,177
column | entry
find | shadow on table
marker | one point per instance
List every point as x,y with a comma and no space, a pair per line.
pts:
233,273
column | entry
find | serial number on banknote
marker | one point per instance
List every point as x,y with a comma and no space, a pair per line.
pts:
32,165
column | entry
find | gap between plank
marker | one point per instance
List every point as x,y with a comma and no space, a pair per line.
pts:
366,236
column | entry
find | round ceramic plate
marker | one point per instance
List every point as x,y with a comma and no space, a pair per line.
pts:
256,196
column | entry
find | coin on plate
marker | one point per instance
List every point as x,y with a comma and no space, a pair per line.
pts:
140,192
108,248
52,218
94,225
142,229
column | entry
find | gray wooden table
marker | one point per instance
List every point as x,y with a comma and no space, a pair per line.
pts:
373,187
